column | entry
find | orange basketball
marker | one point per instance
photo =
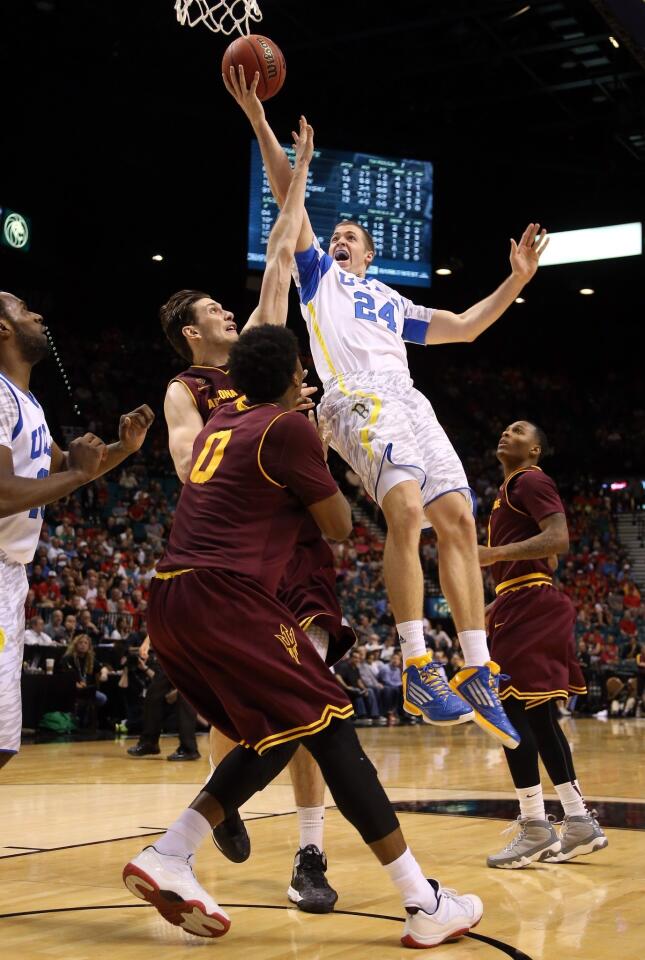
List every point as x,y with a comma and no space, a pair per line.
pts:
257,53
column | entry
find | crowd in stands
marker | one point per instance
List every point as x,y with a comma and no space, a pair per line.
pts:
98,549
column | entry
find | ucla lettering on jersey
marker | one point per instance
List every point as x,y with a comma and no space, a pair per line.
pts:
27,435
355,323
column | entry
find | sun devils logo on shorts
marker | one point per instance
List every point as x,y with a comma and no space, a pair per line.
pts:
287,638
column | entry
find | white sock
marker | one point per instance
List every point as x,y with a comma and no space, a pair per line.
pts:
311,821
412,642
531,802
184,836
474,647
571,799
407,876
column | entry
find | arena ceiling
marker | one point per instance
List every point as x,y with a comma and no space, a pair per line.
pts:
119,139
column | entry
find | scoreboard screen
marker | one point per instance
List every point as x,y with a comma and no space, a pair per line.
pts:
391,198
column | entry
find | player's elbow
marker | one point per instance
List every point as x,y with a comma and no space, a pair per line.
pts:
562,544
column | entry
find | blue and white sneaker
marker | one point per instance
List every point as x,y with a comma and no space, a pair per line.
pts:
427,694
479,687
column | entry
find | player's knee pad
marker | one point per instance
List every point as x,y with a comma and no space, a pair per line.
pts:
243,772
353,780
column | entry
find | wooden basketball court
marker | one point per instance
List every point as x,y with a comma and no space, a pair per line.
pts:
73,813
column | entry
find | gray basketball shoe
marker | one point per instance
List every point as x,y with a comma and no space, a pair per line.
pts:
533,840
578,836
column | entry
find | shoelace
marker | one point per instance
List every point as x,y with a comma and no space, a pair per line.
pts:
494,679
430,675
565,823
519,825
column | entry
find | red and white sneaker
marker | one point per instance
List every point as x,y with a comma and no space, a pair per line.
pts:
455,915
170,885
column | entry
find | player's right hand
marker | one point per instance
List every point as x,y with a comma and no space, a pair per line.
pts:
244,96
86,455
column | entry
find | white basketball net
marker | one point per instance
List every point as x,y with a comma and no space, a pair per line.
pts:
225,16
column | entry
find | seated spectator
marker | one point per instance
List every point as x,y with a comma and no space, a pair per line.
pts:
79,658
390,646
55,629
610,653
36,635
439,639
364,699
87,625
390,675
629,650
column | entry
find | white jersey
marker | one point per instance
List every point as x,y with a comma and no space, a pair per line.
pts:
355,323
23,429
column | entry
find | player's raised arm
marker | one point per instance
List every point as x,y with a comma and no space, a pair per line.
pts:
133,427
274,295
276,163
444,326
184,423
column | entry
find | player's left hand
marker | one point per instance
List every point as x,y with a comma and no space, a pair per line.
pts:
304,403
322,431
486,556
133,427
526,254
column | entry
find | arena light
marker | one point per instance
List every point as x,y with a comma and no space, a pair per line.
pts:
614,42
520,300
596,243
158,257
586,291
443,271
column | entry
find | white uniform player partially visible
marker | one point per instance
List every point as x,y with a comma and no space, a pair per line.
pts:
34,471
24,431
389,434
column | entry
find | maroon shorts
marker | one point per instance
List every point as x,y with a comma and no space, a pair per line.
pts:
241,659
308,589
531,637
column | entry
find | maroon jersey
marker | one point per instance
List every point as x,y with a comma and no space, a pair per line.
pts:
208,387
526,497
254,472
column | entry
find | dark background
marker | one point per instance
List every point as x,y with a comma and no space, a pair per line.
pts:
119,141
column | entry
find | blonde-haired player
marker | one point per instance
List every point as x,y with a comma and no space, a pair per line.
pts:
388,432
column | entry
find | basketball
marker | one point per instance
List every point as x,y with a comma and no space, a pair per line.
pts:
257,53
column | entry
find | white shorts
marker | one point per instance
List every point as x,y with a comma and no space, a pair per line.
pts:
13,593
388,432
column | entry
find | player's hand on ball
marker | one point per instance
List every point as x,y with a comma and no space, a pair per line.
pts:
244,96
86,455
526,254
304,142
133,427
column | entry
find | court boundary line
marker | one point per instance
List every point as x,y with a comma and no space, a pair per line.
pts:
506,948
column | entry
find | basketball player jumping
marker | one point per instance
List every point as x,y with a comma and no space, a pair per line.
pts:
531,633
34,471
202,331
388,432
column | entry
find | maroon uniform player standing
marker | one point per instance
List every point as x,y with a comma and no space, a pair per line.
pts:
239,655
531,635
308,588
